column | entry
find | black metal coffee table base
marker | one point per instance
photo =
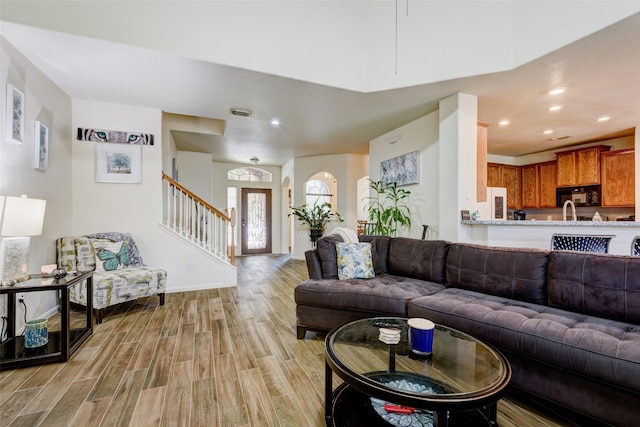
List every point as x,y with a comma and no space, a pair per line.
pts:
351,408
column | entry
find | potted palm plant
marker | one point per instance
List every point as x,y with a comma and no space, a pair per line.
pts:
315,217
388,208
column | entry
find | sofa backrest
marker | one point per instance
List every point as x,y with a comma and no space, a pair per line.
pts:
595,284
516,273
419,259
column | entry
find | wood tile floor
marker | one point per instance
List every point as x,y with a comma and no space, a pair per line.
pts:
221,357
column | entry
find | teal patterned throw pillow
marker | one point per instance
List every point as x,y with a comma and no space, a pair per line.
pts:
354,260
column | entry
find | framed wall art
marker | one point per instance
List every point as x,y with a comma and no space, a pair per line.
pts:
119,163
403,169
41,147
15,114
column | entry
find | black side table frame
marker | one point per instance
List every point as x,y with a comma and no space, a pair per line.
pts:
62,344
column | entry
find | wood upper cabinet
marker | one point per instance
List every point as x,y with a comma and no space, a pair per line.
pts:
539,185
494,175
618,178
547,172
481,162
530,186
508,176
512,180
579,167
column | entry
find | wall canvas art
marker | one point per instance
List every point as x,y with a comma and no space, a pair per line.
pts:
41,146
115,136
118,163
403,169
15,114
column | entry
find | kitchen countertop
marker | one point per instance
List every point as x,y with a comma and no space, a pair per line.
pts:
534,222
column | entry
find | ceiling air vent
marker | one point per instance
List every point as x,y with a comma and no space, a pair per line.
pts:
243,112
560,138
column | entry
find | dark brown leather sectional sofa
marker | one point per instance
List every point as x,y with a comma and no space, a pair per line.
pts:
569,322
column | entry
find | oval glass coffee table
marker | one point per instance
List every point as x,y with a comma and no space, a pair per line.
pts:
459,384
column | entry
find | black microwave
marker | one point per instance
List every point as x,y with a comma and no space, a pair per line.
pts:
580,196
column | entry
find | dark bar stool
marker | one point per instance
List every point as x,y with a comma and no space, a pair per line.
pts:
635,246
581,243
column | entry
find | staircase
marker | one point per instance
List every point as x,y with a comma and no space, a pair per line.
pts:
200,224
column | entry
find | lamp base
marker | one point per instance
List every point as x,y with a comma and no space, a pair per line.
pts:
14,260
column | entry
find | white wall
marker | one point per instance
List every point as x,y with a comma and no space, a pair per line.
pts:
420,135
135,208
347,169
47,103
195,172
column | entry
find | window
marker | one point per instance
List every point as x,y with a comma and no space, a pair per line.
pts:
317,192
249,174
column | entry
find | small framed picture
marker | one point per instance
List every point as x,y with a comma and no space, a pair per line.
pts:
119,163
15,114
466,216
41,147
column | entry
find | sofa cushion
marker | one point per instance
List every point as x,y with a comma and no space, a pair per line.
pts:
595,284
385,294
517,273
592,346
419,259
354,260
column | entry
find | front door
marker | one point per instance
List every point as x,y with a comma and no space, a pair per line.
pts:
255,221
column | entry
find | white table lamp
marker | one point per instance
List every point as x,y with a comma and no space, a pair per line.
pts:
20,218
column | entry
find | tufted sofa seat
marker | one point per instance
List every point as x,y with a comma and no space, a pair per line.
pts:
568,322
109,287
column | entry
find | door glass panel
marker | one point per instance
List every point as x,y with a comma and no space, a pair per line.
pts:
256,221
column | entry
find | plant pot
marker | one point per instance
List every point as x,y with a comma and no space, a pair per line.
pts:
315,234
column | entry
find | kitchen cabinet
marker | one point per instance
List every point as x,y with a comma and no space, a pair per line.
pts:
579,167
530,186
508,176
618,178
547,172
494,175
539,185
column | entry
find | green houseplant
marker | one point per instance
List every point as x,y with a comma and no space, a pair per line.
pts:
388,208
315,217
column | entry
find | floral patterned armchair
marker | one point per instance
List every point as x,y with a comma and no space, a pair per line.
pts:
119,273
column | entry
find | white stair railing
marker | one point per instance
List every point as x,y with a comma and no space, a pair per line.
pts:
197,221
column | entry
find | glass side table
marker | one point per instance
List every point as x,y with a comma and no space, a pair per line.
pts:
62,344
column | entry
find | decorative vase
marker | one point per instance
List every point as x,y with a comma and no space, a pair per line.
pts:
315,234
36,333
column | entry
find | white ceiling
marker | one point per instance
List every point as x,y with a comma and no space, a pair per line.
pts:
600,72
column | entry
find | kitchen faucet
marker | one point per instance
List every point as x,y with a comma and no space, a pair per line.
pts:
573,210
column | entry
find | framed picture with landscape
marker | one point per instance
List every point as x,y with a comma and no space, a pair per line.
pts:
119,163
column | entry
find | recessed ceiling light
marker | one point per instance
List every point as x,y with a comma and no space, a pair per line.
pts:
603,118
555,108
503,122
275,122
557,90
547,132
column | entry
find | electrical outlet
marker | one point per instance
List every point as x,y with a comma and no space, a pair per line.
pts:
20,297
189,266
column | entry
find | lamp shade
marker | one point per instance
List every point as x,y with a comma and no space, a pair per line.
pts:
22,216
